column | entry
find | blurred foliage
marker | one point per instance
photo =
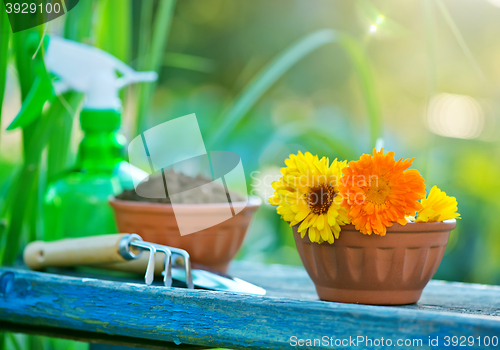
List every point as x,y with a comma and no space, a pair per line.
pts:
22,342
261,87
418,50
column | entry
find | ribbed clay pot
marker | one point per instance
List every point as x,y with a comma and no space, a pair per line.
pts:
379,270
213,247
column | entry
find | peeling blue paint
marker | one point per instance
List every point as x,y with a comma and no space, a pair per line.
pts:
213,318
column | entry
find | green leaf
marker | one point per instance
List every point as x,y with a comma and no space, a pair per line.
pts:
114,31
304,129
41,91
264,79
24,192
154,57
145,25
78,22
21,44
15,343
77,27
4,52
59,146
190,62
24,44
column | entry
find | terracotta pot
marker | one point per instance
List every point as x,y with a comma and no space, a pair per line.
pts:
213,247
381,270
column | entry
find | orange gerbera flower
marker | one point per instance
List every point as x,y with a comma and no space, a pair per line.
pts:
378,191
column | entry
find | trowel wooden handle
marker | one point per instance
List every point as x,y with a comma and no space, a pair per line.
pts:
74,251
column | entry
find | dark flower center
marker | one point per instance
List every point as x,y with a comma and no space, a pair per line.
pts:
320,198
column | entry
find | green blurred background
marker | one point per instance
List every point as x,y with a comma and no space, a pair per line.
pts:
434,74
269,78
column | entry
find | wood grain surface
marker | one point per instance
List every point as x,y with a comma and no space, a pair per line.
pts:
217,319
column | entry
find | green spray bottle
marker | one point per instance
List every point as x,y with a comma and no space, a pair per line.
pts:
77,204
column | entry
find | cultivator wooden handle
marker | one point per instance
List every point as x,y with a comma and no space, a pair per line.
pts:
108,251
79,251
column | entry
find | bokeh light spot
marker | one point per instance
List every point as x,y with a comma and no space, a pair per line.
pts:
457,116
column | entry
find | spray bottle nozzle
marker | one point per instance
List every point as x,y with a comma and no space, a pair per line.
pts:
91,71
83,68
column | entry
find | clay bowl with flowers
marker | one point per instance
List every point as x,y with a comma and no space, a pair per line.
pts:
215,235
367,232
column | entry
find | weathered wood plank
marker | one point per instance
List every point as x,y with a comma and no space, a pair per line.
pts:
293,282
225,319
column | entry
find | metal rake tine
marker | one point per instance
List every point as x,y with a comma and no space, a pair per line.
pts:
150,270
187,266
167,273
187,263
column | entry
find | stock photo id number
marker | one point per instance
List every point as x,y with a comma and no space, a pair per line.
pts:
25,14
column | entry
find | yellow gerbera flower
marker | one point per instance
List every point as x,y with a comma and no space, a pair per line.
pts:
437,207
307,194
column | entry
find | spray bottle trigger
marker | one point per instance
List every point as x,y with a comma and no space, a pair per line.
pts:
136,77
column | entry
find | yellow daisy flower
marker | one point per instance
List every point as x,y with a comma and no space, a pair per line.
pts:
437,207
307,194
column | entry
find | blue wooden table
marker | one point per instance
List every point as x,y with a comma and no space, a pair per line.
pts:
290,315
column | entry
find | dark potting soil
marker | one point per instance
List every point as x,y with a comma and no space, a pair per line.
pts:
179,183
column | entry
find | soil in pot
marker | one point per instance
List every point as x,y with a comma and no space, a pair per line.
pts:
213,192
